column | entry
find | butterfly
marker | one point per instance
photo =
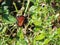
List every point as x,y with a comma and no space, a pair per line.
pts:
20,20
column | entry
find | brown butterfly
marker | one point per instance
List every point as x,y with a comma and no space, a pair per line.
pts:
20,20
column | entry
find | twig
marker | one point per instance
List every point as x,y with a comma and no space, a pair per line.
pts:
15,6
28,1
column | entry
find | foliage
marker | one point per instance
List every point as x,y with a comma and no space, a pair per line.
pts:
42,27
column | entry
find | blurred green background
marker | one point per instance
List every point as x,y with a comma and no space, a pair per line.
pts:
41,25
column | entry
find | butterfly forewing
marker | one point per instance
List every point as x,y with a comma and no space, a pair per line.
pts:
20,20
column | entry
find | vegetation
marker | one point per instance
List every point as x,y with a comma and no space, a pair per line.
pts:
29,22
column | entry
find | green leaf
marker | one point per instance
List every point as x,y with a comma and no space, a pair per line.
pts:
4,29
0,41
58,31
20,33
32,8
1,10
46,41
40,37
34,42
9,19
36,29
36,20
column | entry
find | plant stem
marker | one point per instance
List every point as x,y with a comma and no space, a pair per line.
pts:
15,6
28,1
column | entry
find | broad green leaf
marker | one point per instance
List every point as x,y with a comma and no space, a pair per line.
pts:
9,19
36,20
40,37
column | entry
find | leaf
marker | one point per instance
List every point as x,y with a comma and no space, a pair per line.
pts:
0,41
58,31
46,41
23,42
9,19
37,22
20,33
32,8
37,29
40,37
1,10
4,29
34,42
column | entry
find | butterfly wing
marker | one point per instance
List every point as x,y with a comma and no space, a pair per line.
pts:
20,20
